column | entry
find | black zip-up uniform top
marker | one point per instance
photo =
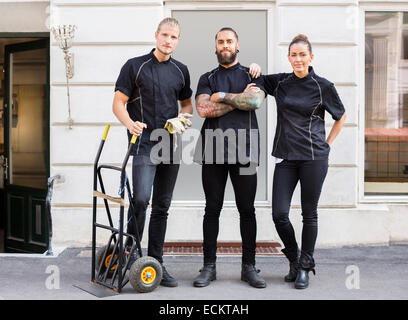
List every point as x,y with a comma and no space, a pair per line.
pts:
154,89
301,105
243,125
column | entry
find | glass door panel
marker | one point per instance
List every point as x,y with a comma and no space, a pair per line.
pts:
27,132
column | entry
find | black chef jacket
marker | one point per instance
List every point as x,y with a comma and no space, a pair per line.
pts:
241,126
301,105
154,89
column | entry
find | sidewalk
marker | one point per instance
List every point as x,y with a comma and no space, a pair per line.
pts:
341,273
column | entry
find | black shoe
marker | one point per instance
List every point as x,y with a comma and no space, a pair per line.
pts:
293,258
293,271
207,274
167,279
250,275
302,279
306,264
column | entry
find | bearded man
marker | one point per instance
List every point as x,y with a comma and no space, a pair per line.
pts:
227,98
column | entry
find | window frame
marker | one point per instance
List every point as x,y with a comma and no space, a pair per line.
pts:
371,6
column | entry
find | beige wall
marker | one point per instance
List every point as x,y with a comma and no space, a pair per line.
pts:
27,16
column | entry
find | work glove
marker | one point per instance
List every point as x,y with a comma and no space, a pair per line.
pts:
179,124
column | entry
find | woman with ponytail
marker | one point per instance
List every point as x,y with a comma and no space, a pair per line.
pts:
302,151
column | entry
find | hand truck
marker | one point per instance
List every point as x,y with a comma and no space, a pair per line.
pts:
111,262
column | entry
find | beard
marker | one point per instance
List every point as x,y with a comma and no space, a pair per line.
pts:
226,59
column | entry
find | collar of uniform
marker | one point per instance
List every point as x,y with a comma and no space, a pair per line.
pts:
309,75
235,66
154,59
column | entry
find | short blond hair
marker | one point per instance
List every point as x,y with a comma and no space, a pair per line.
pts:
169,21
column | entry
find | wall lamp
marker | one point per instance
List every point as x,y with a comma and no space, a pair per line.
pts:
64,34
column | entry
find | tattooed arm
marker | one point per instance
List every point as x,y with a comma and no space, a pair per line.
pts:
210,109
251,99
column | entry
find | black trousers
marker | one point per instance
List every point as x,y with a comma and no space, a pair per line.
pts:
214,179
311,174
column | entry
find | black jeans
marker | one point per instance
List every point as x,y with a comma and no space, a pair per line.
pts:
214,178
311,174
162,178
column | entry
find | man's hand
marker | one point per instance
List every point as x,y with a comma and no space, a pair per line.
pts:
252,88
185,119
215,97
136,127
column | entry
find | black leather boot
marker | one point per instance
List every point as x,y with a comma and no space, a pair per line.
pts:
306,264
167,279
207,274
293,257
250,275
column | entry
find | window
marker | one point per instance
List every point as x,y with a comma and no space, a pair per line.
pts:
386,103
404,51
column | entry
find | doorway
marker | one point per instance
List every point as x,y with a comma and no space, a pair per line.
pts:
24,143
196,49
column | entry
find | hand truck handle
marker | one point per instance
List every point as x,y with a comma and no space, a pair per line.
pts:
98,154
131,144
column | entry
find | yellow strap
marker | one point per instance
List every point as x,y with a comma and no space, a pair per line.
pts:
105,133
110,198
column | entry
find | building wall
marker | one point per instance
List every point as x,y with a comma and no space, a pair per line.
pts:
112,31
24,16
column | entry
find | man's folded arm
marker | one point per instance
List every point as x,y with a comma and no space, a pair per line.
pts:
209,109
244,101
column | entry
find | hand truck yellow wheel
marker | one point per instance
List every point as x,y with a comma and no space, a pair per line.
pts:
145,274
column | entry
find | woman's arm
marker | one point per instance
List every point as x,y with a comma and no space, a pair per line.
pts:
336,129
